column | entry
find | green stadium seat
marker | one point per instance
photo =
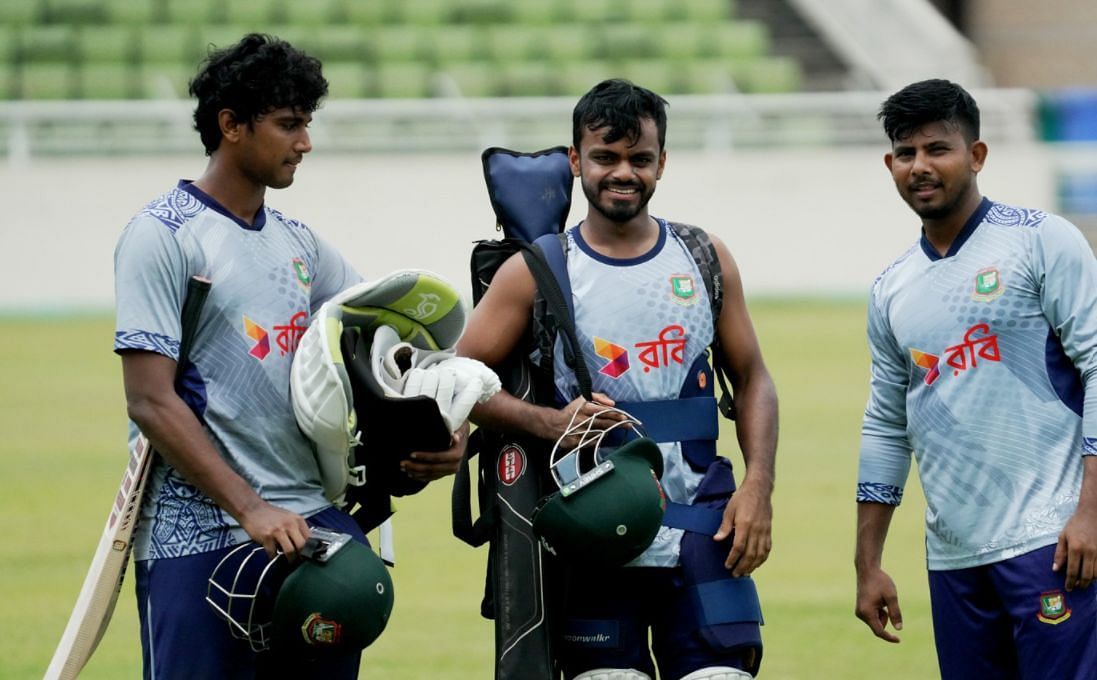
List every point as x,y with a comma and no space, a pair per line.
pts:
702,11
118,80
256,12
9,82
332,43
347,80
313,13
364,12
166,81
426,12
512,42
482,12
402,80
595,11
622,41
168,43
645,11
579,76
533,12
767,75
46,44
658,75
682,40
739,39
400,43
458,44
18,12
707,76
107,44
564,42
8,46
46,81
129,12
470,79
192,12
72,12
528,79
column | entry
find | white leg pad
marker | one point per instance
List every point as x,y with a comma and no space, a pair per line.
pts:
613,674
718,673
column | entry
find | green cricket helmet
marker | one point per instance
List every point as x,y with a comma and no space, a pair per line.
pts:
608,514
338,597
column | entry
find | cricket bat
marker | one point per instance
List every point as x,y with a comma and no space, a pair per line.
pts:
99,594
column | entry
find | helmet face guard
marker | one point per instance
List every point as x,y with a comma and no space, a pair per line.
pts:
338,597
242,589
609,507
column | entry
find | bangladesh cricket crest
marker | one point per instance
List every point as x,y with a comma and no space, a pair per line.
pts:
988,285
322,632
1053,608
301,271
682,290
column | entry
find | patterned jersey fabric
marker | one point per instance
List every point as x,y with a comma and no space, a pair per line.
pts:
983,364
642,323
267,279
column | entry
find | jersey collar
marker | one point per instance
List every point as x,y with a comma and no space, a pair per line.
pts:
210,202
625,261
970,226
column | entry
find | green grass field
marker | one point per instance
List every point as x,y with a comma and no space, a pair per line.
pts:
62,415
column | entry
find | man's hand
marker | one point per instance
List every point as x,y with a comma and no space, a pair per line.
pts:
427,466
1077,549
598,407
878,603
275,529
749,514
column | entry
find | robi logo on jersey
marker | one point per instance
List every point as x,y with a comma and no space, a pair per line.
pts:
978,343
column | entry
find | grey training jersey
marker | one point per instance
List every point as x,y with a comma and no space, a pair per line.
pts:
267,279
984,365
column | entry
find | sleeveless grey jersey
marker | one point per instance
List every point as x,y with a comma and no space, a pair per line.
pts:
642,323
267,279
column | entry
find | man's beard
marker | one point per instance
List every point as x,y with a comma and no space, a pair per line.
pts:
617,211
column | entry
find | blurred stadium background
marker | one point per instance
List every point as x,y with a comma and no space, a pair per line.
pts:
773,145
772,136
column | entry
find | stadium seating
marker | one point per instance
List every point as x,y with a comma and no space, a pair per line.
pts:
108,49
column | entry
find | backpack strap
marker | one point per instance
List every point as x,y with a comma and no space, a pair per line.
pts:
548,265
700,246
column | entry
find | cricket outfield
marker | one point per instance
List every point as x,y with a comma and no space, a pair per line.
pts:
62,411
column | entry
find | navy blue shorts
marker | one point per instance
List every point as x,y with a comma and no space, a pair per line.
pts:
182,637
608,617
1013,620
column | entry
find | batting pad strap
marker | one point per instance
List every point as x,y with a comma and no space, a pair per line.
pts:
676,420
696,518
727,600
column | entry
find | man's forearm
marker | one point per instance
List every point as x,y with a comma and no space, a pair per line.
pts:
873,520
176,434
756,429
506,413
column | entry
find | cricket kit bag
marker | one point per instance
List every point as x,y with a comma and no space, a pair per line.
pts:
531,197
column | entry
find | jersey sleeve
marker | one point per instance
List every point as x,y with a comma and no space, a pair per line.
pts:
885,448
150,274
1065,263
333,273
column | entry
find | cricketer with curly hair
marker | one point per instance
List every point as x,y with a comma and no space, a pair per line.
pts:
234,465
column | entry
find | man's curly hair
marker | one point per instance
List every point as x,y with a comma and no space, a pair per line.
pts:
255,76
